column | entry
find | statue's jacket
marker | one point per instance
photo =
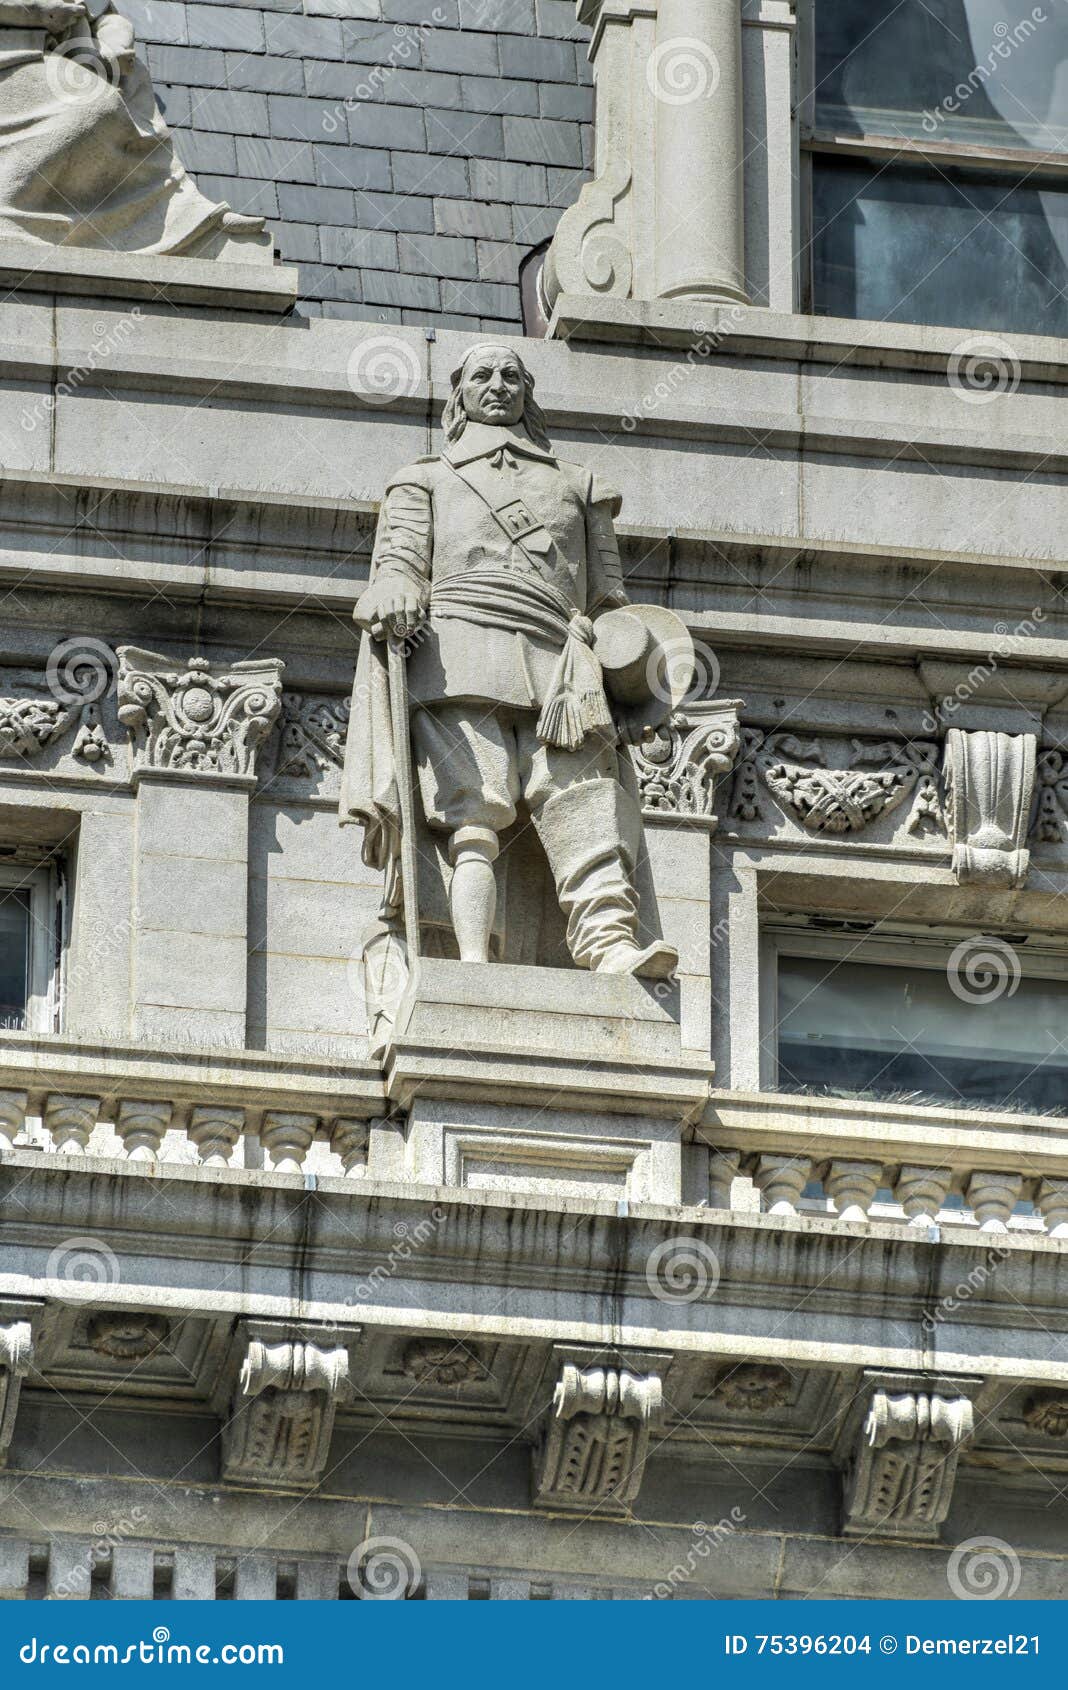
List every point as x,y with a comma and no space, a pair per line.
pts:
498,605
511,551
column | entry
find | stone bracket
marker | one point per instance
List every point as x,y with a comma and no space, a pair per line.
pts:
17,1327
681,765
899,1451
204,721
592,1456
990,779
281,1417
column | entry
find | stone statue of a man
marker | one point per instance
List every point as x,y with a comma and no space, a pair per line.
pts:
495,556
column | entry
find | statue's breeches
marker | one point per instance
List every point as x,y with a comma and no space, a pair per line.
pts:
477,761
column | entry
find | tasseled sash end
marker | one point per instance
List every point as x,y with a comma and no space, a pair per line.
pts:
576,705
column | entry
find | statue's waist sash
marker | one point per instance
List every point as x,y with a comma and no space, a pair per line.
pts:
526,604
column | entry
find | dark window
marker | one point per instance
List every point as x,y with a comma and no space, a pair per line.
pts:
852,1026
937,136
14,957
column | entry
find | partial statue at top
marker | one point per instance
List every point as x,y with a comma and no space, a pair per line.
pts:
86,159
496,564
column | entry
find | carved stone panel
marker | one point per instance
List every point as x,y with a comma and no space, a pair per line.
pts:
204,719
831,787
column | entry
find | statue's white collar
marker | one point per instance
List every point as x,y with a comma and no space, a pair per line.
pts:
481,440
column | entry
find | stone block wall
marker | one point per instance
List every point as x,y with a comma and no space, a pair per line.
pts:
407,154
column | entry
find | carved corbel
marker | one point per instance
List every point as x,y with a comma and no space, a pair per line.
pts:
900,1463
281,1417
206,719
593,1455
679,768
16,1357
990,780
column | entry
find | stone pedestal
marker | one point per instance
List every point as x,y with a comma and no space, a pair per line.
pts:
542,1079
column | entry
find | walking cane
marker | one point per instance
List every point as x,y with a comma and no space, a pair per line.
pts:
396,658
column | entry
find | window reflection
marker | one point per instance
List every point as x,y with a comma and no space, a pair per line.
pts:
851,1027
971,71
908,245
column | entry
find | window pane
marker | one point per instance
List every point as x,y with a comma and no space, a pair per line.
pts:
913,246
853,1026
14,957
974,71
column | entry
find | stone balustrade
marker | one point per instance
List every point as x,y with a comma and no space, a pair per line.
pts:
245,1109
868,1155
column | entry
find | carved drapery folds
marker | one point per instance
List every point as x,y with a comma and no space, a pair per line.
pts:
877,776
989,783
900,1474
278,1432
663,216
204,719
593,1457
679,767
16,1356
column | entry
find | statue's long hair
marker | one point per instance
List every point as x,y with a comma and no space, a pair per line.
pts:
455,418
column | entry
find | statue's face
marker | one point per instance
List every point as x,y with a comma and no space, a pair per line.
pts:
493,388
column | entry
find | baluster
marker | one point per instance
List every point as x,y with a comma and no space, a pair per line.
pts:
851,1186
349,1141
12,1114
723,1169
141,1127
781,1179
287,1138
70,1120
1051,1201
215,1132
922,1192
992,1198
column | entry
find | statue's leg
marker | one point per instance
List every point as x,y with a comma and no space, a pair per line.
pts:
581,815
469,785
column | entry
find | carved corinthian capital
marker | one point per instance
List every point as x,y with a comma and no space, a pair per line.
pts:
679,768
597,1439
902,1467
282,1416
990,779
16,1355
204,719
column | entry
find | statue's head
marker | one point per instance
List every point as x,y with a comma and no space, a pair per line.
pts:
493,385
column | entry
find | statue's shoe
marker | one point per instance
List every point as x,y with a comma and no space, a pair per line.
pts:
655,962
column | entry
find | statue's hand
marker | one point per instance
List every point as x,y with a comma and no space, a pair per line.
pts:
390,607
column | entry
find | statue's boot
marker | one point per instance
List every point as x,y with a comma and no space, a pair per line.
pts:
589,841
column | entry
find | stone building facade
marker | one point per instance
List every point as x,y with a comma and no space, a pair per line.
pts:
743,1282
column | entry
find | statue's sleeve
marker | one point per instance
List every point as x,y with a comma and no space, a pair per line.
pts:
605,569
404,541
